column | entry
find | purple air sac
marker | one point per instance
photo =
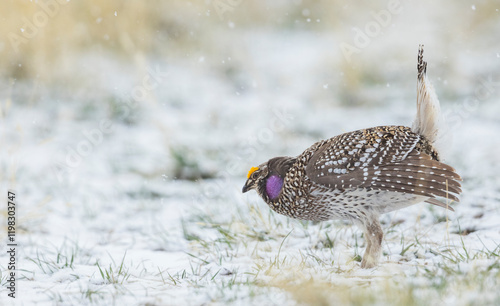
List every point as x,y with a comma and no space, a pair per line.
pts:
273,186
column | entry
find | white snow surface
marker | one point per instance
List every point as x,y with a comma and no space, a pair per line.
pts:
200,241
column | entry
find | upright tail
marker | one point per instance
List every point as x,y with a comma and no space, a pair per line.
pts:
428,110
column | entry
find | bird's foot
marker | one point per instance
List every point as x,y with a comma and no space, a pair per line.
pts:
368,262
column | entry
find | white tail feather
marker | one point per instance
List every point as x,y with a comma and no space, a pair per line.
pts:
428,111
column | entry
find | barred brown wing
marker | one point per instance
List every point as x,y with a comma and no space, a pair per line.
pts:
388,158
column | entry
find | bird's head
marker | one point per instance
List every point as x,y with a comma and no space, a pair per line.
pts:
256,178
267,179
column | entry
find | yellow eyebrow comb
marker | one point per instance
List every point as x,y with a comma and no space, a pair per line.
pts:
252,170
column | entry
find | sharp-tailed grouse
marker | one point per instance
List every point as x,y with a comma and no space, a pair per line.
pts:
362,174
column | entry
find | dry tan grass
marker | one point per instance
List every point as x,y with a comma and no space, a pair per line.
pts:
54,35
176,28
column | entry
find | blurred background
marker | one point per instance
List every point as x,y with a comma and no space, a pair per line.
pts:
187,84
110,110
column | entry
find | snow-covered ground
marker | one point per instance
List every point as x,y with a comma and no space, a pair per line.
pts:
128,177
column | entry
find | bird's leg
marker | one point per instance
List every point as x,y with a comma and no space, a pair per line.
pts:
368,249
373,236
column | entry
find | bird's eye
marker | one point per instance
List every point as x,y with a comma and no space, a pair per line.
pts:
252,171
253,176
